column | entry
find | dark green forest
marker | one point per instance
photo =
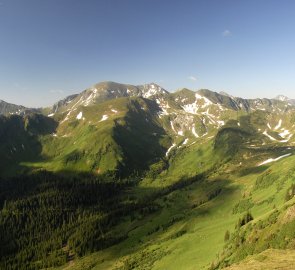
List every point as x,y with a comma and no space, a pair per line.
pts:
49,219
46,218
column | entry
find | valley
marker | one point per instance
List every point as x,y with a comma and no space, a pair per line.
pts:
135,177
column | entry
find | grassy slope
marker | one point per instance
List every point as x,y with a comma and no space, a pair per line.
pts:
271,259
19,140
183,228
129,139
191,221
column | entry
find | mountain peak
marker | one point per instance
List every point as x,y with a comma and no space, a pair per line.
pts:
282,98
151,89
9,108
108,90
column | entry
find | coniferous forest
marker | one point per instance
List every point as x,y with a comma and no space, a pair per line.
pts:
45,218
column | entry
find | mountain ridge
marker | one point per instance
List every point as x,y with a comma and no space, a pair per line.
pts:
106,90
184,117
10,108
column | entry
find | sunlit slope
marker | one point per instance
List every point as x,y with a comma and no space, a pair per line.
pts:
271,259
192,221
120,136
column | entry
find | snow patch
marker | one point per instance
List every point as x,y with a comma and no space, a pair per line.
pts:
67,117
266,134
153,90
79,116
194,107
50,115
104,117
169,149
205,134
220,107
221,123
89,99
180,133
114,111
163,112
207,102
191,108
194,132
273,159
287,139
273,139
278,125
172,126
77,102
284,133
185,141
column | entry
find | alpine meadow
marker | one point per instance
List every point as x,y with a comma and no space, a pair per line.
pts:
156,175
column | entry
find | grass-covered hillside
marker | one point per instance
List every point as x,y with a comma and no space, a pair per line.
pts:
122,136
133,177
19,136
203,220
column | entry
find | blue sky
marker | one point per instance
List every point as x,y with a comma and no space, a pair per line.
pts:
52,48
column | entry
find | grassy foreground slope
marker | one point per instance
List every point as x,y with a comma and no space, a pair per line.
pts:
188,229
271,259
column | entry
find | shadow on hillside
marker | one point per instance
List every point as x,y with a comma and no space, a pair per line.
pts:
157,227
20,141
80,197
140,136
252,170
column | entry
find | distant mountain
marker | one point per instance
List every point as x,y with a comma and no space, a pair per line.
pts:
282,98
286,99
8,109
184,99
104,91
194,112
101,128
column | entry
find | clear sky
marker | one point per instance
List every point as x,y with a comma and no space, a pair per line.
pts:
52,48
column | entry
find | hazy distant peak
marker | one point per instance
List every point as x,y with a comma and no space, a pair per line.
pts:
282,98
9,108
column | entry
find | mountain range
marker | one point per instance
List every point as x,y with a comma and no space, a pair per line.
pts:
200,175
161,122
